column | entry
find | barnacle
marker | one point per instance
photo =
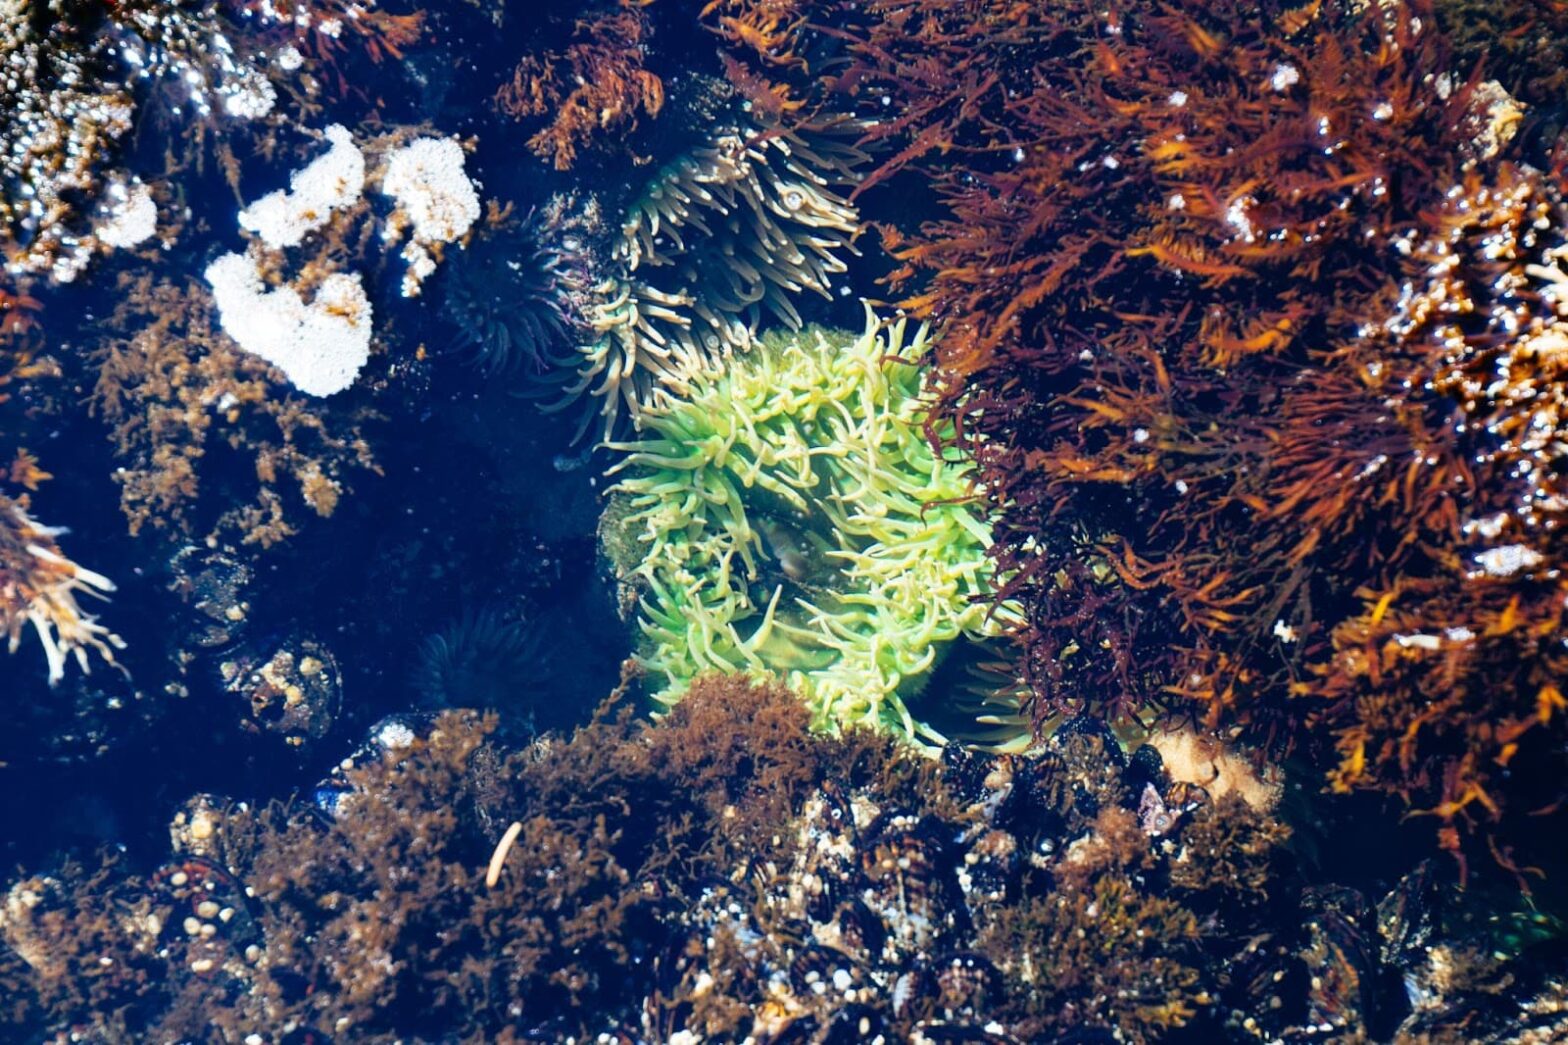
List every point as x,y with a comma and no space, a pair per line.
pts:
718,235
60,126
39,586
76,76
788,515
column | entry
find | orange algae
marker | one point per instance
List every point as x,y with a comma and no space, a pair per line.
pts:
1191,335
175,389
596,86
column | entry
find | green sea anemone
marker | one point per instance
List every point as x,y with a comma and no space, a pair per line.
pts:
789,517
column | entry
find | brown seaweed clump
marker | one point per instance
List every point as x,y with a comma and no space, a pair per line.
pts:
597,84
1190,335
175,389
723,876
319,26
1446,683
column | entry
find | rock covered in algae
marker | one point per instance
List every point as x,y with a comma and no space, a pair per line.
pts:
724,875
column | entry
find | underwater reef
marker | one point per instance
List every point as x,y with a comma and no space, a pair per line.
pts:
1063,498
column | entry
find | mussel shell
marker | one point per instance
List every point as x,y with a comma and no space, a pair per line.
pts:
853,1024
183,891
966,983
988,869
818,972
214,584
854,930
290,687
1407,916
1341,954
964,772
909,882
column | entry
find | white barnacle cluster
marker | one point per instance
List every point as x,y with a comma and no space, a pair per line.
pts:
185,48
38,587
1284,77
1507,560
332,182
436,201
320,344
129,216
304,17
1493,118
59,124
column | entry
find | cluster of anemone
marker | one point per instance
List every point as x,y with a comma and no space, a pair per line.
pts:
39,586
721,235
789,516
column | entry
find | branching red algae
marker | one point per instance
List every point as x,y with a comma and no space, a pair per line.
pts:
597,84
1176,261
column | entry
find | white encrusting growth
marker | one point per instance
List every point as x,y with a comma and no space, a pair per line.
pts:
1508,560
131,218
435,198
321,345
432,190
1285,77
330,182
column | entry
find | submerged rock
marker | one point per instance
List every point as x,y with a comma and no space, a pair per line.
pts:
724,876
